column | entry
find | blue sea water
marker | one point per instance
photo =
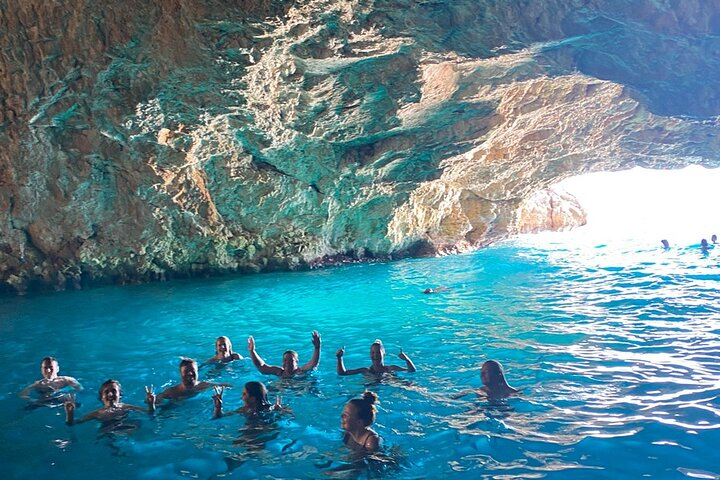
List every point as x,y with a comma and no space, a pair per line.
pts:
615,348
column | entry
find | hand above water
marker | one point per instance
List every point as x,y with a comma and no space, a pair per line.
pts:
150,397
316,339
217,397
402,356
251,344
340,352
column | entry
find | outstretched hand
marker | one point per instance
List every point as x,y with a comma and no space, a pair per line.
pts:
70,404
150,395
278,403
316,339
251,344
217,396
340,352
402,356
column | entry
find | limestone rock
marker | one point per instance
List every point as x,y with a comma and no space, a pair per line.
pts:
143,140
550,211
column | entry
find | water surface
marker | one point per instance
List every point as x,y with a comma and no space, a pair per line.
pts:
616,350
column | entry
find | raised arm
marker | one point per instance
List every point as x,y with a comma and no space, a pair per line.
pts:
259,362
70,412
341,366
410,365
313,363
218,402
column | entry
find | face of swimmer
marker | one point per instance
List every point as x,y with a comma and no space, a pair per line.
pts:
189,374
49,369
110,394
290,361
223,347
377,353
349,419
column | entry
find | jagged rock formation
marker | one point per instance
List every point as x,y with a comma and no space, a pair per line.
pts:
145,139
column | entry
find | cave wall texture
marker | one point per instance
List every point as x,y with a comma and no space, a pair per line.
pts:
141,140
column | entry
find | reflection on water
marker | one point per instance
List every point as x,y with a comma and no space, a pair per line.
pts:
615,349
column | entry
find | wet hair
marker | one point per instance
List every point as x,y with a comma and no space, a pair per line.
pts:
258,391
495,372
291,352
107,384
186,362
227,342
379,343
366,407
49,359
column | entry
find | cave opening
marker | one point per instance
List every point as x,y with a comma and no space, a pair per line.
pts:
645,206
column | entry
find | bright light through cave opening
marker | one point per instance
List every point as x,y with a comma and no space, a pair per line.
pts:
646,206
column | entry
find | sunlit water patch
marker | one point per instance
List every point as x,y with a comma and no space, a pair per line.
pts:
615,348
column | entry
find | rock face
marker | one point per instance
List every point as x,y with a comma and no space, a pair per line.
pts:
147,139
549,210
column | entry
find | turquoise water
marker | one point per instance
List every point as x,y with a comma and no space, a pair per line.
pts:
616,350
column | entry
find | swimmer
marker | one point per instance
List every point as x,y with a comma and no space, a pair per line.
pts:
377,357
665,244
494,384
50,385
110,394
357,417
704,245
713,239
188,387
436,290
254,397
290,360
223,352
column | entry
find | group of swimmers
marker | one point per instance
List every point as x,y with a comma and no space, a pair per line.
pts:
704,245
356,419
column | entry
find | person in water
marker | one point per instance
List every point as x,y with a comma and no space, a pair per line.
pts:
436,290
110,394
290,366
377,357
255,400
494,384
188,386
665,244
357,417
50,387
704,245
713,239
223,352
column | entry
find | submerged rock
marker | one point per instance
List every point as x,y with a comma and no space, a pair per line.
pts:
156,139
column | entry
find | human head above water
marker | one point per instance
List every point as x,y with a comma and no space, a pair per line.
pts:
255,395
492,374
188,371
49,367
377,351
223,346
361,409
665,243
290,360
110,390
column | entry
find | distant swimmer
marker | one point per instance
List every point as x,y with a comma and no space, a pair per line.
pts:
290,360
704,246
713,239
188,386
665,244
223,352
255,400
357,417
494,384
50,388
436,290
113,411
377,357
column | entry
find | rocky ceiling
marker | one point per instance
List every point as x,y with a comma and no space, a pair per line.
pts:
141,140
